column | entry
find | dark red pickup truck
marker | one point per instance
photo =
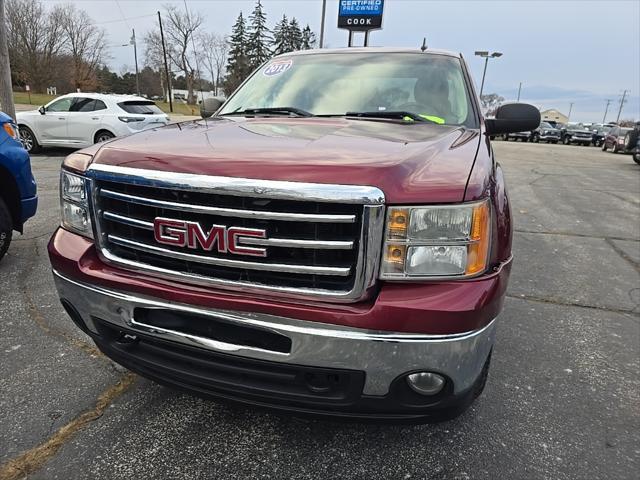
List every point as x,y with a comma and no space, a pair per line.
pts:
335,240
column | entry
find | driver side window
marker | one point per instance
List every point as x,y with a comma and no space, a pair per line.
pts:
62,105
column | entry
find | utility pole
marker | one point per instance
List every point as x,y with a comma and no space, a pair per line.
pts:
606,109
135,57
570,108
324,11
622,100
519,90
6,92
166,65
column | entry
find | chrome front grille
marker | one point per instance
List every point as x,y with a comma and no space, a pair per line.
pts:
322,241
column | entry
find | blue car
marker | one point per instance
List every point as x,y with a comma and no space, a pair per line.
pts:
18,199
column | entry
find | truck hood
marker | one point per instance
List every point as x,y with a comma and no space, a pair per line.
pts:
416,162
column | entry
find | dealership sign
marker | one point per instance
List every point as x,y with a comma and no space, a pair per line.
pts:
360,15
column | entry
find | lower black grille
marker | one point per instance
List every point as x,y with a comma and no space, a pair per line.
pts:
218,373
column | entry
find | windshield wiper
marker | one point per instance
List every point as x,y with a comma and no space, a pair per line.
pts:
402,115
274,110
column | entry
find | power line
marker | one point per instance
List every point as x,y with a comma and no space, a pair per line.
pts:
123,19
122,14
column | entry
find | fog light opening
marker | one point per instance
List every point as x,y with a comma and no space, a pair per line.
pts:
426,383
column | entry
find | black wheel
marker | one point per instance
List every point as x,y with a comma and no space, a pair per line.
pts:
566,140
636,158
103,136
506,137
6,228
28,139
604,146
535,138
614,149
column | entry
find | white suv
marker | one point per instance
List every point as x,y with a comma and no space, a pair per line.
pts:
82,119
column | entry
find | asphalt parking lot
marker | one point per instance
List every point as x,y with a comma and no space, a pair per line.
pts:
562,400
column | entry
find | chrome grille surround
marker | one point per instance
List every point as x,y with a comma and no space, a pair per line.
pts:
368,200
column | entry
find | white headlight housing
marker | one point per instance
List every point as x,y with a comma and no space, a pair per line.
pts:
449,241
73,204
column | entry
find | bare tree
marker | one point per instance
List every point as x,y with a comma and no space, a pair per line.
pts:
84,43
214,51
6,93
35,39
490,102
180,31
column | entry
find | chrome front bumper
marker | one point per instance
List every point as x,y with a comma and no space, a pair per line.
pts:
383,356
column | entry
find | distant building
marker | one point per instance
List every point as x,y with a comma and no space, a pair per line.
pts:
553,115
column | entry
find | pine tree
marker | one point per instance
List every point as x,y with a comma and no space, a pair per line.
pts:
281,36
258,38
308,38
238,67
295,35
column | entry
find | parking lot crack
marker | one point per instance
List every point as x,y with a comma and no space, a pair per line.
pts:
36,315
622,253
554,301
32,460
573,234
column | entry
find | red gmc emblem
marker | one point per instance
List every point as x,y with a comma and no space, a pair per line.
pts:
180,233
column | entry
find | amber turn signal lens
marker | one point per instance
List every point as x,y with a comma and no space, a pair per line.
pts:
478,251
10,131
398,221
77,161
396,254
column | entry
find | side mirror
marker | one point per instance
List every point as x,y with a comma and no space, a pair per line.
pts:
42,110
210,106
512,118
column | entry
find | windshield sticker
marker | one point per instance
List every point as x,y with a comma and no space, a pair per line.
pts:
276,68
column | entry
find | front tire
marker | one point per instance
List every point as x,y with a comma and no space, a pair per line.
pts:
615,147
636,158
6,228
103,136
566,141
28,139
536,139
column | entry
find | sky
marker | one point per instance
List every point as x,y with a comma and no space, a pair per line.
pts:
581,52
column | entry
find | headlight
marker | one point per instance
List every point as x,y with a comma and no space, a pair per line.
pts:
74,205
436,241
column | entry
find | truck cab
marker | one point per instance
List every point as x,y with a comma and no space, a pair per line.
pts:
18,191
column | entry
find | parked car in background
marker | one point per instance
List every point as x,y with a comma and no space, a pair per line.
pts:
18,191
614,139
79,120
599,132
632,140
575,133
545,133
522,136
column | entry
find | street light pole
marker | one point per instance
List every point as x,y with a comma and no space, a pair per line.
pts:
486,55
135,57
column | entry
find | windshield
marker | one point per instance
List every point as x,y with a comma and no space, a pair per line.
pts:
426,85
546,125
140,107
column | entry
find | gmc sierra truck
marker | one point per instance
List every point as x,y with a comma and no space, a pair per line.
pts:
334,239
